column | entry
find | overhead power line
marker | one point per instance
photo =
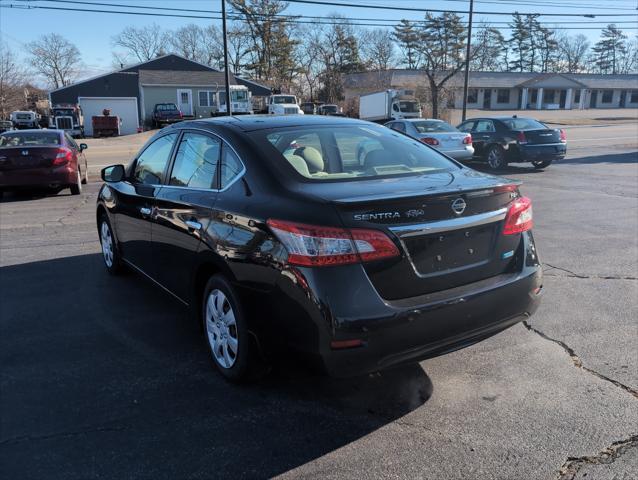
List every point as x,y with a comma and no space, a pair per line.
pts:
414,9
273,17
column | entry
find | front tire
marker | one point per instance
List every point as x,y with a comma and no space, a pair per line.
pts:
496,157
226,330
76,188
539,164
110,250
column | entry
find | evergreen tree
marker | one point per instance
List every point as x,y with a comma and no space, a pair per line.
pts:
609,49
442,45
520,43
408,38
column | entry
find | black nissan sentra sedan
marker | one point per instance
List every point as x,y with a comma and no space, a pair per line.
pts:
276,233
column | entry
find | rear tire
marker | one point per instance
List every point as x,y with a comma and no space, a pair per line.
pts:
110,250
496,157
539,164
76,188
230,345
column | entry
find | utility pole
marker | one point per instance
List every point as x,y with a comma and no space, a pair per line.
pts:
226,69
467,61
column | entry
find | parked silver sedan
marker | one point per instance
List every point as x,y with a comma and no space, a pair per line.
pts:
438,134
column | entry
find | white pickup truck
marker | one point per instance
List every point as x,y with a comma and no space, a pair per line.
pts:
284,105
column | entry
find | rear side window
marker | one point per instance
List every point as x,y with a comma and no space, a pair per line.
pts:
151,164
231,167
196,161
466,127
485,126
351,152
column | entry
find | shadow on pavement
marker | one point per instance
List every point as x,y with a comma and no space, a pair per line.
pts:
25,195
628,157
108,377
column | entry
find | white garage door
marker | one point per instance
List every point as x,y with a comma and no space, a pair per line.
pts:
123,107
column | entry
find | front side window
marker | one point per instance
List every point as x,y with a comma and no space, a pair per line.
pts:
196,161
150,165
467,126
503,95
351,153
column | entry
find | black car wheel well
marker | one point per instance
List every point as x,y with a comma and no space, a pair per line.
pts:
100,212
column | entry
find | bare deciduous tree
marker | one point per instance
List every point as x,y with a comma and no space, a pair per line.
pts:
573,50
377,49
144,43
55,58
12,78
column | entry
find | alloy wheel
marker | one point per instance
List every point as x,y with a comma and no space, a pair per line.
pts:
221,329
495,158
107,244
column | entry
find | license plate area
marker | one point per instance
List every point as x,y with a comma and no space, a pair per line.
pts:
447,251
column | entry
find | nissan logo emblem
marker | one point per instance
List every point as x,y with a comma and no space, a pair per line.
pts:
458,206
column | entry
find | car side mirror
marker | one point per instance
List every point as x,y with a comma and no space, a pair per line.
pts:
113,174
83,146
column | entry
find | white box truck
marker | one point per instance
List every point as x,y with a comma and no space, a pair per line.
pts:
389,105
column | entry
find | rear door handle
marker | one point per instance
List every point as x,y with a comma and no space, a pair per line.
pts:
193,225
145,211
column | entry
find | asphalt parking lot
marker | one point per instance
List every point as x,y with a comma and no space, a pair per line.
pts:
106,377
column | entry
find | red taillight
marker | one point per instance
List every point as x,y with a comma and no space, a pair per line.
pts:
341,344
563,136
429,141
315,246
521,138
519,217
63,156
468,139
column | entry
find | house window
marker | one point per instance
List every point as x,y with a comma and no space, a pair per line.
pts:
472,95
534,96
206,98
503,95
607,96
634,96
549,95
577,96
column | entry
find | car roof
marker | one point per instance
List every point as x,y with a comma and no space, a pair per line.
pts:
38,130
247,123
423,120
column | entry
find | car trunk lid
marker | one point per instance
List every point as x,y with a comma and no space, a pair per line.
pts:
27,157
447,226
539,137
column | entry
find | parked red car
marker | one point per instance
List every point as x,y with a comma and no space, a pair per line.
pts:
48,159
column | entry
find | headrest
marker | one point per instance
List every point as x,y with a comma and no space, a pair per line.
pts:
376,158
299,163
312,157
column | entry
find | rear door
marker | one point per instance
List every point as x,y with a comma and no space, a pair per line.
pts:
136,202
482,135
184,209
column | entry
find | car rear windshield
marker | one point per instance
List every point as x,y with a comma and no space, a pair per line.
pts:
23,139
523,124
433,126
167,107
349,152
330,108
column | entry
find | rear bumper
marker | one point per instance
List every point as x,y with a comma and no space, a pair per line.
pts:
529,153
465,154
318,306
62,176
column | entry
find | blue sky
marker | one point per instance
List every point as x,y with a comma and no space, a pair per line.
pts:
92,32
